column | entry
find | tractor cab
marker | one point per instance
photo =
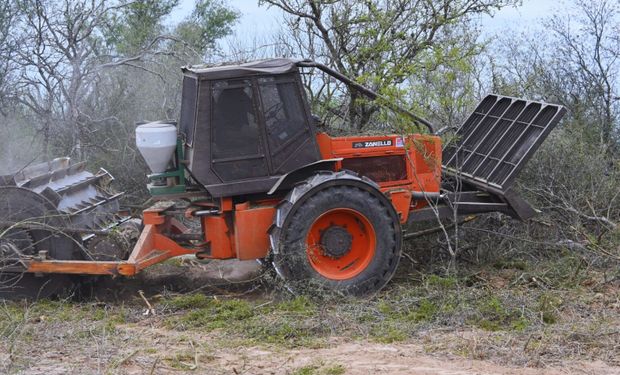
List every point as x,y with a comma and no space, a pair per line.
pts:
245,125
244,128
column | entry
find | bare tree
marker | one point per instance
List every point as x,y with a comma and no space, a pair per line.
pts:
58,49
574,177
7,50
380,43
576,63
589,51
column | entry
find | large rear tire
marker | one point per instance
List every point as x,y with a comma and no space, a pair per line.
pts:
339,233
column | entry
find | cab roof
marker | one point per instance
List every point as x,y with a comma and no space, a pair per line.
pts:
259,67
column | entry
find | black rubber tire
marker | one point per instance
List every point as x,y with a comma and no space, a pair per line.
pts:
307,203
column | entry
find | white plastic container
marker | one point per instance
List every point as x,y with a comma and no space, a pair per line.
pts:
156,142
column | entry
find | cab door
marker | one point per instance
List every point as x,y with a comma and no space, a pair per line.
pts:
290,137
237,151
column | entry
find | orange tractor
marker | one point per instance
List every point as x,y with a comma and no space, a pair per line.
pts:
246,175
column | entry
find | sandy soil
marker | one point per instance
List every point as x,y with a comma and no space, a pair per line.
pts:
367,358
147,347
355,358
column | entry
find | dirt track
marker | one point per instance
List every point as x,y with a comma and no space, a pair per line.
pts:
366,358
57,341
355,358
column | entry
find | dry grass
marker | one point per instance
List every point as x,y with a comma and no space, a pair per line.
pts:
500,314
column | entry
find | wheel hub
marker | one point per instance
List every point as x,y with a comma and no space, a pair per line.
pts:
336,241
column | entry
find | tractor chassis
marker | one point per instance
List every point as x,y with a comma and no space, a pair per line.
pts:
145,253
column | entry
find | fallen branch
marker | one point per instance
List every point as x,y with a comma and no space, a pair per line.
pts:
154,366
425,232
128,357
600,219
150,310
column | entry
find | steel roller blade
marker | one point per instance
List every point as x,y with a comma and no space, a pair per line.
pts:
56,207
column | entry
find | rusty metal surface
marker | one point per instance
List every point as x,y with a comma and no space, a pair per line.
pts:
56,208
87,199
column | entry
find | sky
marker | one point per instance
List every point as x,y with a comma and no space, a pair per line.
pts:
261,20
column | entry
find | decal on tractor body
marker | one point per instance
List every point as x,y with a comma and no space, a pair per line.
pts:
377,143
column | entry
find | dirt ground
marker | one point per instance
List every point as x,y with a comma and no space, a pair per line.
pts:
71,339
339,357
362,358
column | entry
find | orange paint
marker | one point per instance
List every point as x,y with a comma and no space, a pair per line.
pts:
241,230
401,200
226,204
152,247
421,154
219,237
152,218
251,226
357,257
78,267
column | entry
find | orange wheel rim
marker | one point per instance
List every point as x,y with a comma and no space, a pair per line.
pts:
341,243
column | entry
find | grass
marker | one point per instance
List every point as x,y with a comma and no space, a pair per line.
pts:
397,315
283,323
494,315
548,305
537,317
435,281
28,328
388,333
320,369
293,322
181,361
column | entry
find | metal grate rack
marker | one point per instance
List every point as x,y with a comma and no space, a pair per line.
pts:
499,138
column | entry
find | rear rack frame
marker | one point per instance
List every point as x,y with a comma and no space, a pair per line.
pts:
498,139
492,147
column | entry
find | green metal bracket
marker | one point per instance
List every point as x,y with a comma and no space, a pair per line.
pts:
178,174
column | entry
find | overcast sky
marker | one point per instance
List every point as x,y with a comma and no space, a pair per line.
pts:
262,20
